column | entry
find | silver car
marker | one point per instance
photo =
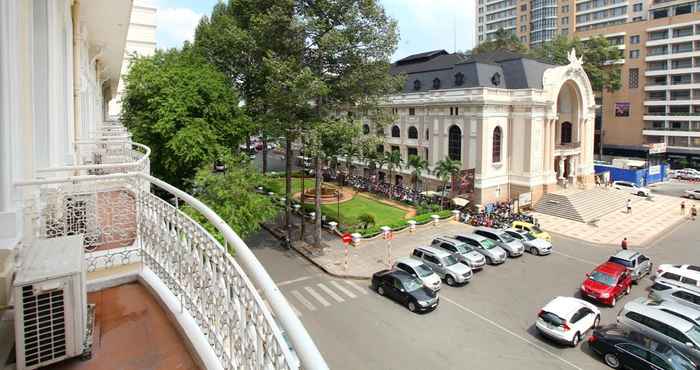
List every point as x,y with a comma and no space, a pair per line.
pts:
636,263
492,252
535,246
460,250
662,326
443,264
513,246
673,308
667,291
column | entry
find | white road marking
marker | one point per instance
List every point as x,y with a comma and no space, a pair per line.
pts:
318,297
303,300
576,258
287,282
357,287
342,289
483,318
331,293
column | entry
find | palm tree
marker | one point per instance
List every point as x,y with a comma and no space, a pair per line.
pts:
379,162
419,165
351,152
393,161
445,169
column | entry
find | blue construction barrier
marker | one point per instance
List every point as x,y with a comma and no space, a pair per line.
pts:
641,177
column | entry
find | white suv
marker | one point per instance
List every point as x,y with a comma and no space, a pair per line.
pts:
632,188
420,270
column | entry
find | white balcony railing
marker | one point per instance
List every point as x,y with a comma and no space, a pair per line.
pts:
123,222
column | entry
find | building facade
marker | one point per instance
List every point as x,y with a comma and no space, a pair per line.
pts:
521,125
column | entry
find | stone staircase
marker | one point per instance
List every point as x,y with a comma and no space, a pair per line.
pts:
582,206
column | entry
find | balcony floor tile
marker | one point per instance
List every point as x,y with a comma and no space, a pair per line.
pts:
132,332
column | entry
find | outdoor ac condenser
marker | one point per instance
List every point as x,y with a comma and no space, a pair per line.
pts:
51,302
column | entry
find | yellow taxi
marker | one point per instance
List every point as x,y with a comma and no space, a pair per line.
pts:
533,229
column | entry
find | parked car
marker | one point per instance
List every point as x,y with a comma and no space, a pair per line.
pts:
419,270
632,188
680,276
462,251
444,264
664,267
607,283
674,308
533,229
538,247
664,291
636,263
567,319
511,245
662,326
404,289
692,194
622,349
492,252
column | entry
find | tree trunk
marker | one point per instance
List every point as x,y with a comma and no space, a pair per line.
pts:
264,156
247,145
303,189
317,201
287,184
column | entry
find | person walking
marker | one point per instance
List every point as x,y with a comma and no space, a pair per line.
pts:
624,244
682,208
629,206
693,212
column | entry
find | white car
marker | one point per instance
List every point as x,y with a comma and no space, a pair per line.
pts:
567,319
425,274
692,194
664,267
632,188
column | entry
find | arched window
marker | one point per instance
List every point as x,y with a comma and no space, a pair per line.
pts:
566,130
459,79
412,132
496,155
436,83
395,131
365,129
454,143
416,85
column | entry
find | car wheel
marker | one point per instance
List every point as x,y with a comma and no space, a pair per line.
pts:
489,260
691,197
596,322
380,290
641,193
612,360
411,306
613,302
628,290
575,339
450,280
533,251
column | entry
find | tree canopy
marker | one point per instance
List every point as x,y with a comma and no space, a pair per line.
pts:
184,109
598,54
503,40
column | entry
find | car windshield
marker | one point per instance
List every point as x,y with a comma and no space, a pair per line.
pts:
449,260
602,278
423,270
488,244
620,261
528,236
411,284
551,318
462,248
694,334
506,237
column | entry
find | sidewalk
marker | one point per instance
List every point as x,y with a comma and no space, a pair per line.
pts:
649,218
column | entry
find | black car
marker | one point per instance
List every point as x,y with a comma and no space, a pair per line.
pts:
621,349
405,289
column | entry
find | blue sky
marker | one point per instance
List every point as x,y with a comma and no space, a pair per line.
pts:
423,24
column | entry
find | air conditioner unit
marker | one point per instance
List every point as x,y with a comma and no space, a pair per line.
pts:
51,302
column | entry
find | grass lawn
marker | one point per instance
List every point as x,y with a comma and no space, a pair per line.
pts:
350,210
277,185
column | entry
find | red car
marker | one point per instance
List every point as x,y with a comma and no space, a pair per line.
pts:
607,283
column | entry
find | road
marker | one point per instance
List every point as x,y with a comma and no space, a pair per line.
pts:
673,188
487,324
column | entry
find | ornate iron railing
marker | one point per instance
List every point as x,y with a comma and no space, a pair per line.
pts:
124,222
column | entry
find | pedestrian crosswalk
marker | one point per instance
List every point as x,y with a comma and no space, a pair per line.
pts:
315,296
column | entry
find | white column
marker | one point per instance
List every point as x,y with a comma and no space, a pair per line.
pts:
572,166
561,167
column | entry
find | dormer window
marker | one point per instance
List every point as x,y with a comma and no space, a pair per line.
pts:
436,83
416,85
496,79
459,79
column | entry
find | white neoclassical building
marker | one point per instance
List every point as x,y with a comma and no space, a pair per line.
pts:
521,125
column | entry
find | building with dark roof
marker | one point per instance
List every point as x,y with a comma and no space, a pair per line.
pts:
519,125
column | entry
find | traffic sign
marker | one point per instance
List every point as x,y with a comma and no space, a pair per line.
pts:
347,238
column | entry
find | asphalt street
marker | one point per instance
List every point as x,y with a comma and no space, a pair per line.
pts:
487,324
673,188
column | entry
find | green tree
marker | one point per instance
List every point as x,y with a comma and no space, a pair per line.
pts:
184,110
351,151
419,165
393,161
444,170
366,220
232,196
597,54
503,40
